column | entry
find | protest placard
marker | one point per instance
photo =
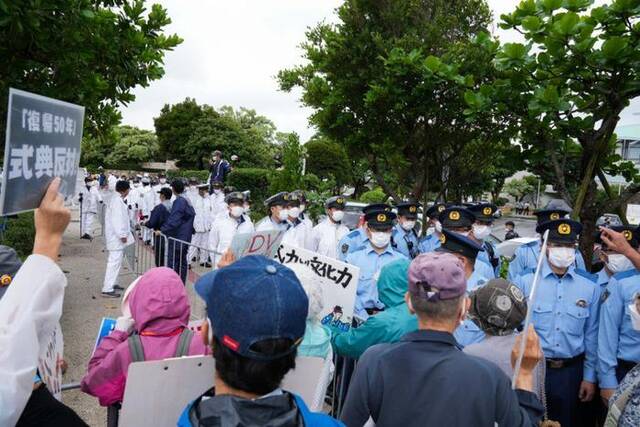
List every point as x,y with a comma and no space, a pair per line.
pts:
633,214
49,363
339,283
257,243
42,142
106,326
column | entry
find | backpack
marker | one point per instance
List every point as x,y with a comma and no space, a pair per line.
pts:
137,352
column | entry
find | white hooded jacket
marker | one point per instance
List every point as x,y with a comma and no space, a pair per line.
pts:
117,225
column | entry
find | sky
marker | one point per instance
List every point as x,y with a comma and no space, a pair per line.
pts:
233,49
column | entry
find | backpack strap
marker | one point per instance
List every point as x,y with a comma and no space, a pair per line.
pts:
495,261
184,342
135,348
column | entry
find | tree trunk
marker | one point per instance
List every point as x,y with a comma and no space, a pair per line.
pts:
612,197
588,217
381,181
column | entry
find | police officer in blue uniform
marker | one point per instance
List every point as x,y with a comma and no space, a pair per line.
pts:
467,251
356,239
405,237
526,256
375,253
565,316
618,342
481,230
431,240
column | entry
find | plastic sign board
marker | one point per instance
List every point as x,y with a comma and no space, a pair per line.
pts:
42,142
106,326
50,363
633,214
257,243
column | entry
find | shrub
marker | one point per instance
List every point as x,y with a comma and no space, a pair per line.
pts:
373,196
19,233
201,176
254,180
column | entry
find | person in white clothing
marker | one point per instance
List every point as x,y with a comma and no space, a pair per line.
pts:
162,183
31,307
134,200
146,205
112,182
91,200
228,224
277,215
191,191
202,225
326,235
298,234
217,199
303,207
117,237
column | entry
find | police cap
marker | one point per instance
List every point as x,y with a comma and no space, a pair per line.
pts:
376,207
631,233
337,202
235,197
408,209
484,211
453,242
280,199
380,218
561,230
435,209
456,216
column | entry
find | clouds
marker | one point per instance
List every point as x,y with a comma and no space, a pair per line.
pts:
232,51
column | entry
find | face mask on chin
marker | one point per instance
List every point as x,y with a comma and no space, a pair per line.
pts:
303,207
618,263
380,239
562,257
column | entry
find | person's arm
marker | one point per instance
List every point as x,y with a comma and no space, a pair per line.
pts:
31,307
364,395
154,218
357,340
617,242
175,216
611,316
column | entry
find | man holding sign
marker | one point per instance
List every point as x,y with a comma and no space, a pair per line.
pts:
565,316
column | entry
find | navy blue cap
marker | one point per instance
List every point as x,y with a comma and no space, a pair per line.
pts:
456,216
630,232
453,242
376,207
380,218
408,209
252,300
435,209
280,199
484,211
337,202
561,230
552,214
9,265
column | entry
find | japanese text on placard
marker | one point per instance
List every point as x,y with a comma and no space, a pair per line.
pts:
43,160
40,122
340,277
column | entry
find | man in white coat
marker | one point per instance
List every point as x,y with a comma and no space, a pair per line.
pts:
202,225
326,235
218,199
277,213
91,201
117,237
162,183
299,232
146,205
228,224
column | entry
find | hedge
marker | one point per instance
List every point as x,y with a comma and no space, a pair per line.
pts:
253,179
19,233
201,176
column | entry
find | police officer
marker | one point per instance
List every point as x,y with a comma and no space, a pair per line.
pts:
481,230
405,237
460,220
565,316
375,253
618,342
526,256
298,232
613,262
277,213
228,224
326,235
299,194
355,240
467,251
432,239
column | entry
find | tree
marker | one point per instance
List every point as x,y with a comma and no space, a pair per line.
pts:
565,90
261,134
132,146
92,53
289,178
328,160
520,188
377,87
174,127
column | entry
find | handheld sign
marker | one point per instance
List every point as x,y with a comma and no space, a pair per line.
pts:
49,363
106,326
257,243
42,142
527,319
339,282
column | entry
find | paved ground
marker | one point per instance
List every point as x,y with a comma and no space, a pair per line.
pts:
84,264
525,226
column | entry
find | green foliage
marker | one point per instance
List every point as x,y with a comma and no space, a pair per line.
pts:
200,175
519,188
376,195
92,53
123,147
289,178
174,127
252,179
328,160
19,234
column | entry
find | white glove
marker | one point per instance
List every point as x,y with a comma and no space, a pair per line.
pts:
124,324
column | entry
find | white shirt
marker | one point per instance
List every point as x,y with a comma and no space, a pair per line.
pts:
117,225
204,213
224,229
218,204
148,200
112,180
326,236
29,312
298,235
90,199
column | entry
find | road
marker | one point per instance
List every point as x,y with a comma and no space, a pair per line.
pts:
525,226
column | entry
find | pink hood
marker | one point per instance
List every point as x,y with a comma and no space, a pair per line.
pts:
159,302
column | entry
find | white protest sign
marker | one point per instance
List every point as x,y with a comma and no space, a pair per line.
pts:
633,214
42,142
339,283
49,363
257,243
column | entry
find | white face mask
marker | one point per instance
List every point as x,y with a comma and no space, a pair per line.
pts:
294,212
408,225
163,181
283,215
237,211
217,191
481,231
438,227
430,231
562,257
247,209
618,263
303,207
635,317
337,216
136,184
380,239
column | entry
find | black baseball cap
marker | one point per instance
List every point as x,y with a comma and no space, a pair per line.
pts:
453,242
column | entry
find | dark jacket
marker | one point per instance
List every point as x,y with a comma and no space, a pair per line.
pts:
157,218
425,380
219,171
179,224
285,410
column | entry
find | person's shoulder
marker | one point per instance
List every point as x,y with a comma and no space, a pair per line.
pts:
352,234
623,275
314,419
588,277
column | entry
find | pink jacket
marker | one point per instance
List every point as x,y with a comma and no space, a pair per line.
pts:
159,306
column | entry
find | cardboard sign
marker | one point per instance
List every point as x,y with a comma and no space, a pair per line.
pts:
42,142
633,214
339,282
257,243
106,326
49,363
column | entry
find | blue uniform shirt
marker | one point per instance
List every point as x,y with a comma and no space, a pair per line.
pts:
526,257
403,240
370,263
484,257
617,339
476,280
565,314
603,280
429,243
352,242
468,333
